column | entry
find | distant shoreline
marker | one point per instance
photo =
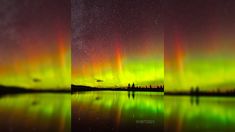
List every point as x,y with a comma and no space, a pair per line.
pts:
18,90
75,88
201,94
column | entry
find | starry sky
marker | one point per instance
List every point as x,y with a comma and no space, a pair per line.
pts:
116,42
35,43
199,44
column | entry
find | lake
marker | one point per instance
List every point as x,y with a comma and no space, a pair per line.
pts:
102,111
35,113
106,111
199,114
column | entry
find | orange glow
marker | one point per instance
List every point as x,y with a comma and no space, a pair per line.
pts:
119,59
179,52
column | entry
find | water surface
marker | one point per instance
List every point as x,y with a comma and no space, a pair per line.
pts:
199,114
117,111
35,113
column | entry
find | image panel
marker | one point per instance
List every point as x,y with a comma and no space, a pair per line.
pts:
35,65
117,65
199,65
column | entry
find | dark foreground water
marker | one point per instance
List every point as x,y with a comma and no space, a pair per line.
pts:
105,111
204,114
127,111
35,113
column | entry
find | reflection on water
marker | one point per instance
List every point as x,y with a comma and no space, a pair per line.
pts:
194,114
117,111
35,113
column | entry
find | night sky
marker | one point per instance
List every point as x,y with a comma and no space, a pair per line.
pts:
199,44
116,42
184,43
35,43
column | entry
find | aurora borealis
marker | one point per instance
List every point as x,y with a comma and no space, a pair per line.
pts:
35,43
117,42
199,44
182,44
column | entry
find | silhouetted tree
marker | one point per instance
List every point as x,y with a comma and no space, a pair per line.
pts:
150,86
197,90
129,86
191,90
133,85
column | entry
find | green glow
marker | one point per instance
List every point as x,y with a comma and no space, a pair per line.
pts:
49,72
110,100
141,71
207,72
117,107
46,112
